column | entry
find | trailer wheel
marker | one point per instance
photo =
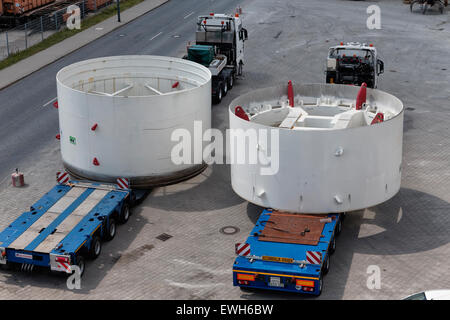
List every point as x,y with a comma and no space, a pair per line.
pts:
338,228
8,266
326,266
81,264
332,248
111,231
320,285
124,213
96,248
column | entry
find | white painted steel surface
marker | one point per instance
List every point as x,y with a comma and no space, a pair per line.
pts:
136,109
324,165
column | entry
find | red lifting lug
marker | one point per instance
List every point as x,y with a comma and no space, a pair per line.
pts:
361,97
290,93
94,127
55,104
238,111
378,118
58,136
175,85
95,162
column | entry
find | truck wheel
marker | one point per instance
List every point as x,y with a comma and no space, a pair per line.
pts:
111,230
231,81
96,248
332,248
124,213
225,87
326,266
219,95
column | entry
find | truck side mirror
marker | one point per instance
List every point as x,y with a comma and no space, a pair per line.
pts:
380,65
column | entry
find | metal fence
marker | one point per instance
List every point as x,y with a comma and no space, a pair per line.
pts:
34,31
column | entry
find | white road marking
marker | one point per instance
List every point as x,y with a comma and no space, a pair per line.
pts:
190,14
50,101
156,36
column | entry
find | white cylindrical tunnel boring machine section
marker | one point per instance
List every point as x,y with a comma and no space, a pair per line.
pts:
117,115
326,154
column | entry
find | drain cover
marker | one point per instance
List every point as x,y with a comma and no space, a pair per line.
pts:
164,237
229,230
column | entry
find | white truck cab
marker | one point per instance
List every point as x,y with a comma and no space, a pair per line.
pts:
354,63
225,32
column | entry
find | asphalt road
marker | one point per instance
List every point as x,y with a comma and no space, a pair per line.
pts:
29,123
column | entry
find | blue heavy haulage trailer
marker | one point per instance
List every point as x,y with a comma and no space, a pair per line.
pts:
65,226
287,252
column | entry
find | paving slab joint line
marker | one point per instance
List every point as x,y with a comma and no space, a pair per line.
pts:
13,74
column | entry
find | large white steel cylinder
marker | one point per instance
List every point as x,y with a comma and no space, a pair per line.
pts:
117,115
331,157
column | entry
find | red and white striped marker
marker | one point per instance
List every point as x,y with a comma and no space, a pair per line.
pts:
123,183
62,177
313,257
66,266
242,249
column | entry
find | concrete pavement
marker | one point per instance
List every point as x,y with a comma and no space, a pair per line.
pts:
29,65
406,237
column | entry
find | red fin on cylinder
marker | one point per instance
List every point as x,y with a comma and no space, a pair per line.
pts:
94,127
290,93
55,104
95,162
238,111
378,118
175,85
361,97
58,136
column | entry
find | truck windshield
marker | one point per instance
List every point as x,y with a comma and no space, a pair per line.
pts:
360,53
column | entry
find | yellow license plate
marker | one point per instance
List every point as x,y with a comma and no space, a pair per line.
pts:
278,259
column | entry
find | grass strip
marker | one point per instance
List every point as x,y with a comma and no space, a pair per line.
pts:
65,33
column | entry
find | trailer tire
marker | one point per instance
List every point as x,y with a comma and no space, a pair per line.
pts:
81,264
338,228
8,266
326,266
320,285
332,248
111,230
124,213
96,248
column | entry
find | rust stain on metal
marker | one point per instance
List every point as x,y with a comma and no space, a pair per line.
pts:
293,228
